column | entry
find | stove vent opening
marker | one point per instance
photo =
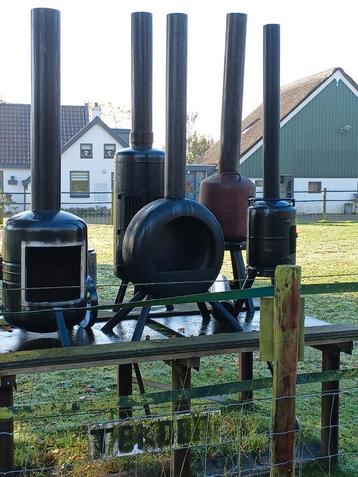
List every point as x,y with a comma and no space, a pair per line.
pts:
53,274
192,242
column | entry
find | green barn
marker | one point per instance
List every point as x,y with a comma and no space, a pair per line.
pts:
319,143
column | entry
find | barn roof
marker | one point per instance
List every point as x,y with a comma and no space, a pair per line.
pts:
291,97
15,131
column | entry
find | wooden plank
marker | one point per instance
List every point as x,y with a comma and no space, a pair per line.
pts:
156,350
285,337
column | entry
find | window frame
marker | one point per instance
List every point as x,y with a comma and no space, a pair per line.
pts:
316,183
79,195
104,150
82,154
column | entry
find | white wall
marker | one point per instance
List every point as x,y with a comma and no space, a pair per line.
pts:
99,168
339,191
16,191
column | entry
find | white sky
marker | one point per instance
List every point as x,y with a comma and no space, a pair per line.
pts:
315,35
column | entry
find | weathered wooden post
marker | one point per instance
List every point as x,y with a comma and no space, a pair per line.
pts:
7,384
324,204
330,408
181,379
285,340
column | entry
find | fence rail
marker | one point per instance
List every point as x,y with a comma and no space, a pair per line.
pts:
96,206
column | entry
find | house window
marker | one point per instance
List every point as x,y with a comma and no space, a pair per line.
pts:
314,187
259,182
79,184
109,151
86,151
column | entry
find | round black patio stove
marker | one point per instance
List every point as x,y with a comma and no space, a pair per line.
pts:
173,246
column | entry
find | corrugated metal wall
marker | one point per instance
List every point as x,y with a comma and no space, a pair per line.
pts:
320,141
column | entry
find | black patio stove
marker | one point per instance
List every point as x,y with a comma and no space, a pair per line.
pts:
173,246
272,221
139,170
45,250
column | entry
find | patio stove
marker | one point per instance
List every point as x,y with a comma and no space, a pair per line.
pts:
173,246
272,221
139,170
45,250
226,193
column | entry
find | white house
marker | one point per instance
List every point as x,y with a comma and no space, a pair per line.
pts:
87,168
86,162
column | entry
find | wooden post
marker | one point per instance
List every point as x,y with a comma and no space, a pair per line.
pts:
324,204
246,372
181,379
330,408
7,384
285,335
125,387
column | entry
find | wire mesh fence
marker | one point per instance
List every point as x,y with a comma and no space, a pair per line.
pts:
81,434
96,206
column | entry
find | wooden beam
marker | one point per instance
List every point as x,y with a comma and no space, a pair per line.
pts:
42,360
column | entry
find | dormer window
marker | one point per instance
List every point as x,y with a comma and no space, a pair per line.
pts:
109,151
86,151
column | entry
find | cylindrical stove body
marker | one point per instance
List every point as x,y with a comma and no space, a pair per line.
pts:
271,239
226,194
139,170
139,180
45,256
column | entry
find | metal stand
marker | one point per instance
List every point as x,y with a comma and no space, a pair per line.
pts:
219,312
240,277
62,331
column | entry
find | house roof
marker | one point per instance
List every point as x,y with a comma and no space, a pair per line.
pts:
15,131
117,134
291,97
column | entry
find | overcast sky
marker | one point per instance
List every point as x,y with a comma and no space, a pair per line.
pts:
315,35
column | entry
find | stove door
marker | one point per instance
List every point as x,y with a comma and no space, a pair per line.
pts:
52,273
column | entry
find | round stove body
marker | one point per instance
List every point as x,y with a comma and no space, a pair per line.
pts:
44,263
271,239
139,179
173,247
227,195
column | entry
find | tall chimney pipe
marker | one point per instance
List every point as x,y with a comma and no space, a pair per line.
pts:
45,110
271,110
176,91
231,115
142,76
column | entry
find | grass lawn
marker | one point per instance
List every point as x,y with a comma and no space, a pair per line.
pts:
327,252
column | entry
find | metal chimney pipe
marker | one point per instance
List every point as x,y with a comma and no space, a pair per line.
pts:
176,91
271,110
142,77
45,110
231,115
